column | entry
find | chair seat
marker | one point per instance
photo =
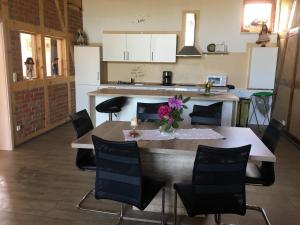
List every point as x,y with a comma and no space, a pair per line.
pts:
196,204
85,159
150,188
113,105
90,165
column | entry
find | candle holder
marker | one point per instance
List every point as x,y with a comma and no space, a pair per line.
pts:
134,133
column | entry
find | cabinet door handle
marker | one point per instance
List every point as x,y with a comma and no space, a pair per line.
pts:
152,56
127,55
124,55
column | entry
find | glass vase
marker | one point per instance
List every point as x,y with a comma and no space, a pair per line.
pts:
167,129
207,90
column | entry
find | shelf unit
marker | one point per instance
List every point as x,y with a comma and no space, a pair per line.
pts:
215,53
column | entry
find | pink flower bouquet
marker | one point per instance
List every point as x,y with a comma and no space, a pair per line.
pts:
170,115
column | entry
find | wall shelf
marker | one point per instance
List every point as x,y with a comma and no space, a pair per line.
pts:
215,53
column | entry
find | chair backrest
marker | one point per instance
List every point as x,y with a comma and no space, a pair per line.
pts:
82,124
270,139
220,172
272,134
207,115
118,171
148,111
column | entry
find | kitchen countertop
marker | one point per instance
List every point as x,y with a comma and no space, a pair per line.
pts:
177,87
158,93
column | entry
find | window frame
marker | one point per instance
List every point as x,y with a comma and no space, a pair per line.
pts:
62,59
273,14
35,54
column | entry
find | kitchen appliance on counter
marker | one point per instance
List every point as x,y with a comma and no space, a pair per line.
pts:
217,80
167,78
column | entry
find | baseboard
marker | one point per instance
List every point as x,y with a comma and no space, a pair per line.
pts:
295,141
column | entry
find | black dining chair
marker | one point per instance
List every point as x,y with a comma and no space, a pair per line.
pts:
82,124
85,158
264,174
113,105
207,115
119,177
148,112
218,183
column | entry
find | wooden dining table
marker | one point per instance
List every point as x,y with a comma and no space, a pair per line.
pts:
233,137
173,160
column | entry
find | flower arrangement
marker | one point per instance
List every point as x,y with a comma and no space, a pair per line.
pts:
170,114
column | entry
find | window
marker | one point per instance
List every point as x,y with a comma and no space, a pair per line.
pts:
54,57
28,51
256,13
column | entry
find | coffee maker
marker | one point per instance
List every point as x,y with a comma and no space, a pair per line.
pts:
167,78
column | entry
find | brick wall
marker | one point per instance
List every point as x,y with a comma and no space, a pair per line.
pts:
15,51
29,105
51,15
75,23
71,68
58,102
25,11
29,111
73,98
74,20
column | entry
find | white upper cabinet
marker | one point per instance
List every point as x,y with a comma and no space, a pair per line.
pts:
163,47
139,47
114,47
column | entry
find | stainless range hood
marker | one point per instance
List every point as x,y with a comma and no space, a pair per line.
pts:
189,49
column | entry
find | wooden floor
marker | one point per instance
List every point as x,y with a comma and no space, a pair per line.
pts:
39,184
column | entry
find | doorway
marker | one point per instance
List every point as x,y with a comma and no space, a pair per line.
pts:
6,142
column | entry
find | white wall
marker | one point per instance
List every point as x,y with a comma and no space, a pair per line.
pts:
220,20
6,142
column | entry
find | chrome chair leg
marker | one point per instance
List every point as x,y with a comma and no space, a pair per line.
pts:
110,116
79,205
162,221
261,210
163,196
121,215
175,208
218,219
